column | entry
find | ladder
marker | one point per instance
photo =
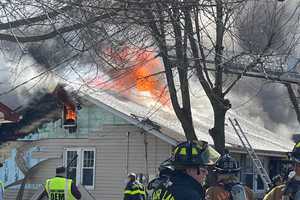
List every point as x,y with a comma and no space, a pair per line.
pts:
256,161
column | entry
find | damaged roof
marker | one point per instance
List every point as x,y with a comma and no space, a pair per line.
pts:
260,138
163,122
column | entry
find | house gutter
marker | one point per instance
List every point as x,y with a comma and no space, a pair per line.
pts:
146,127
259,152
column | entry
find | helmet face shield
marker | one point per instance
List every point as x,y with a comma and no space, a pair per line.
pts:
209,156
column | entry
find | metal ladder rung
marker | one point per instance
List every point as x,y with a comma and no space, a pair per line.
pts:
256,161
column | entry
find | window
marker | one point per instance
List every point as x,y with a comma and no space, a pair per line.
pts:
72,165
82,169
88,168
250,176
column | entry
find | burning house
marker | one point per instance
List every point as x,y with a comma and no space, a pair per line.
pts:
114,135
119,124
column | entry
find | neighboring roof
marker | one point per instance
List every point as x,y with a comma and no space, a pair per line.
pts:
171,131
7,115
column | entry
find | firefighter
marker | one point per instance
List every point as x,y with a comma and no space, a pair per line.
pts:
166,171
60,187
291,189
1,186
190,161
228,187
1,190
276,181
134,190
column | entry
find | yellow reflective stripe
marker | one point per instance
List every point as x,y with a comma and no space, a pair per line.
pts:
194,151
175,150
298,144
182,151
134,192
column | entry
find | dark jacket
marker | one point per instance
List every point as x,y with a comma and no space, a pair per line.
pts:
134,191
182,187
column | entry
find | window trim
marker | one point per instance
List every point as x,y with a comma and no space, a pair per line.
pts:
79,169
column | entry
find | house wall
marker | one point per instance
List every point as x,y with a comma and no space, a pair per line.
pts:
111,144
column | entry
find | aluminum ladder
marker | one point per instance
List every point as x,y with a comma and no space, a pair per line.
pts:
256,161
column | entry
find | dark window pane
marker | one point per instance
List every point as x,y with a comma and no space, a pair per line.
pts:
71,164
260,184
249,180
88,159
71,174
70,157
87,177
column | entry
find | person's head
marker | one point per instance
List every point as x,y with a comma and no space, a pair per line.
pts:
295,156
131,176
193,158
60,171
227,166
277,180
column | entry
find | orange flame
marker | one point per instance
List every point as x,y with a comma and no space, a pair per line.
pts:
139,65
70,113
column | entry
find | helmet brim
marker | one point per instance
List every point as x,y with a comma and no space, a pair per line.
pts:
209,156
296,160
226,171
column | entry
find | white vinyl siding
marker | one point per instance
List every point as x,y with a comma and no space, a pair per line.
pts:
112,151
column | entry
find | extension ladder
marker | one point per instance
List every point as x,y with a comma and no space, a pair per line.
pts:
256,161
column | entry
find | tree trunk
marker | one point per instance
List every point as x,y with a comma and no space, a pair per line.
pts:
218,131
294,100
188,127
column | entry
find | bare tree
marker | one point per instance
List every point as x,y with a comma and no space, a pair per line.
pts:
217,36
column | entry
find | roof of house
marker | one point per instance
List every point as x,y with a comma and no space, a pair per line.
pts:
7,115
261,139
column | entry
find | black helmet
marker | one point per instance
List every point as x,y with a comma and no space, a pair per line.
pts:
194,153
295,155
227,165
166,167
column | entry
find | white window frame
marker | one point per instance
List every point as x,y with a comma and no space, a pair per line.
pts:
79,168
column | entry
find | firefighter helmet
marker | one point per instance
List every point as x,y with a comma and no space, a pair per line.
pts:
227,165
131,175
295,155
166,167
194,153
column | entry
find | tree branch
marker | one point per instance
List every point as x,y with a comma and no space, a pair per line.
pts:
37,38
29,21
293,99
